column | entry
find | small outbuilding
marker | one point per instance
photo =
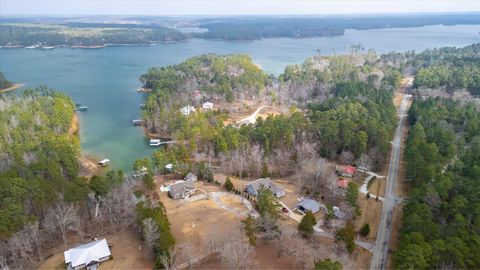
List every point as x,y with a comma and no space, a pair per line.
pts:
342,183
308,205
87,256
207,106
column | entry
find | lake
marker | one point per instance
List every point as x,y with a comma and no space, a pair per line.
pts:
106,79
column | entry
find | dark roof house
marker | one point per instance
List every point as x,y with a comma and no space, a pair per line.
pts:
253,187
182,190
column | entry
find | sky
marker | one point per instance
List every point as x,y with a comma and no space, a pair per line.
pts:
229,7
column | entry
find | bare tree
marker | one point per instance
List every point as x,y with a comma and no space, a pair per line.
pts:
268,228
34,231
237,253
188,253
281,161
346,157
118,207
63,216
150,234
21,246
365,162
168,261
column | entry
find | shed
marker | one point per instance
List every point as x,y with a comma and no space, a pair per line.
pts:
88,256
342,183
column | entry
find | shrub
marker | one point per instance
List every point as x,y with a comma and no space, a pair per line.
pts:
305,227
228,184
365,230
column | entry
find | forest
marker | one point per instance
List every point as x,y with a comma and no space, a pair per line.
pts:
44,201
25,34
341,109
441,224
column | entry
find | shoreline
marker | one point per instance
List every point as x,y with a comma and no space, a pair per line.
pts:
74,125
88,164
15,86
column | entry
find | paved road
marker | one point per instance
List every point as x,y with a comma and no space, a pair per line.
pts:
380,252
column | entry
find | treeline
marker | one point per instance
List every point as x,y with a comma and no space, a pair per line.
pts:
251,28
441,224
60,35
4,83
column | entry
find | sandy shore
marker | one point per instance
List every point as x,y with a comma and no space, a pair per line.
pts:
74,125
11,88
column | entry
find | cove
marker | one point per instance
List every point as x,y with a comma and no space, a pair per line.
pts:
106,79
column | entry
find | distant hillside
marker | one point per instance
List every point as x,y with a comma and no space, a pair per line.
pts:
250,28
24,34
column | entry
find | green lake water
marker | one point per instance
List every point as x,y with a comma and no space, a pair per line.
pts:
106,79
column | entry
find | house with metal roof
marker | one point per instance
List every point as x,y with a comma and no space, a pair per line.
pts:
253,187
87,256
346,171
308,205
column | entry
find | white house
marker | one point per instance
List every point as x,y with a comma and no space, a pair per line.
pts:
187,110
207,105
87,256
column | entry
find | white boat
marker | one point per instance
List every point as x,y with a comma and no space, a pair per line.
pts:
155,142
104,162
48,47
30,47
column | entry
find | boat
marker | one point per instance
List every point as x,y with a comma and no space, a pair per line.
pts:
155,142
104,162
48,47
137,122
81,108
30,47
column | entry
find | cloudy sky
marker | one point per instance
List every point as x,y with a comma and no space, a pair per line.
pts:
228,7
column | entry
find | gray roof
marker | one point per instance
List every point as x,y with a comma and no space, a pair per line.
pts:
266,182
190,177
309,204
339,214
181,187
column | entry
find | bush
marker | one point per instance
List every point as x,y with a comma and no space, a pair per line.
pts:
365,230
327,264
305,227
228,184
368,195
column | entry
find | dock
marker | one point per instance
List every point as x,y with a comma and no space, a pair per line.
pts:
158,142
